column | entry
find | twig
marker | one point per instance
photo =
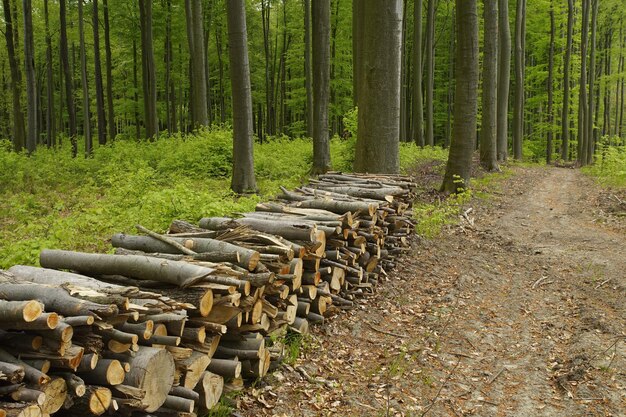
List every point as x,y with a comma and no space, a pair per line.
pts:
539,281
432,403
164,239
496,376
386,332
603,282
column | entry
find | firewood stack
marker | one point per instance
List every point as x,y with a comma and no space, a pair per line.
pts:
169,322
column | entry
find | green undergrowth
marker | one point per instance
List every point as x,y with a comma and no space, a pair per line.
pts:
610,166
51,200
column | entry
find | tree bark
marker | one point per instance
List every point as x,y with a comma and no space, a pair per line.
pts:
19,129
549,146
243,180
518,111
583,108
488,131
109,71
429,65
197,54
50,121
321,85
592,69
102,125
84,82
566,82
308,73
504,78
459,164
379,88
31,81
418,100
151,119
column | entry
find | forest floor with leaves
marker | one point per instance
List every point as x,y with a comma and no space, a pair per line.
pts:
517,310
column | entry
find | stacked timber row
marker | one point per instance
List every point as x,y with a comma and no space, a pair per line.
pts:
169,322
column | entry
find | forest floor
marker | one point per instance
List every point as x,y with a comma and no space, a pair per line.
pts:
522,313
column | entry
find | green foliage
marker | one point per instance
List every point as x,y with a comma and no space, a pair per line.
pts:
610,166
295,343
432,217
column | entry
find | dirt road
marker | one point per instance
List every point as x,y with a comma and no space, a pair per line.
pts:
523,314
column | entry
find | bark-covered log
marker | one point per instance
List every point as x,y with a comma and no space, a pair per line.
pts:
248,258
96,401
227,368
151,370
30,374
177,273
192,368
288,230
21,341
56,393
11,372
20,311
179,404
106,372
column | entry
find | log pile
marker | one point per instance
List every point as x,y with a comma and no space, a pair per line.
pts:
169,322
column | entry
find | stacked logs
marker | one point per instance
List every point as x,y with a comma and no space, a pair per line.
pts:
169,322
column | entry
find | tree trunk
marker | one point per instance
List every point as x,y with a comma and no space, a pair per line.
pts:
136,92
243,180
418,101
151,119
488,144
583,108
19,129
50,121
197,53
459,164
504,79
379,88
321,85
84,82
308,73
31,81
109,71
357,45
429,65
592,69
102,124
518,111
566,82
549,147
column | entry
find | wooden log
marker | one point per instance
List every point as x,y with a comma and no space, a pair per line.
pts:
177,273
41,364
28,395
117,335
287,230
210,389
314,318
78,321
21,341
227,368
25,311
194,334
300,325
75,384
179,404
55,394
88,362
20,410
192,368
151,370
213,328
143,329
106,372
11,372
248,258
201,298
96,401
30,374
62,332
303,309
56,299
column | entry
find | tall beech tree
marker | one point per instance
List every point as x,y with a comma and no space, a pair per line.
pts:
50,122
429,66
549,146
459,164
18,127
101,115
379,87
31,80
109,70
488,129
84,82
151,119
566,82
243,180
321,85
504,78
67,76
197,55
583,105
418,100
592,70
308,72
520,62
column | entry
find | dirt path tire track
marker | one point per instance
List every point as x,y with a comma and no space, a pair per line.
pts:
525,315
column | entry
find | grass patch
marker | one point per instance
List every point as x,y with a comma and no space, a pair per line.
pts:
610,167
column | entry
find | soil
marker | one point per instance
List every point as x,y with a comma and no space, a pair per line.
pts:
517,310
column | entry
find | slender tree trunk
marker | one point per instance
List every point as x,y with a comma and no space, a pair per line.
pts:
243,152
592,70
566,83
218,40
488,130
606,126
109,71
31,82
518,112
84,82
136,91
504,79
403,77
620,68
451,67
321,85
459,164
151,119
357,42
379,87
583,108
102,125
50,121
168,67
197,54
308,74
429,63
207,67
418,101
549,147
19,129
